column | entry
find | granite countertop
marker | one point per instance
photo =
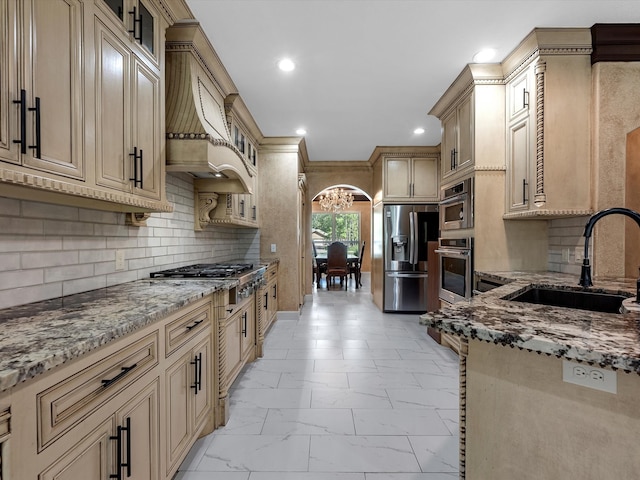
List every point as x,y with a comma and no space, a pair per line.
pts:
603,339
38,336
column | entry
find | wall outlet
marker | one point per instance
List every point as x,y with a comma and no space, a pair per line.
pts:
273,248
120,265
590,377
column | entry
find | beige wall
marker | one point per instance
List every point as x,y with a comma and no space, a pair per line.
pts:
616,91
524,422
280,217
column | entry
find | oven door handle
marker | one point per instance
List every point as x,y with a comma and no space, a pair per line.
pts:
457,199
454,253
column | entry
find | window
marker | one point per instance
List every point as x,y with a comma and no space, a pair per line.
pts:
336,227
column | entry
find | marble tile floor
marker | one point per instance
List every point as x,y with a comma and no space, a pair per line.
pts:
344,392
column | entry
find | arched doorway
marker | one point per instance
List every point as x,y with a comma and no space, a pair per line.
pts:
350,225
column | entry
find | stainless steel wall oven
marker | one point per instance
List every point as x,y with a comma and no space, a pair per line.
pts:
456,268
456,206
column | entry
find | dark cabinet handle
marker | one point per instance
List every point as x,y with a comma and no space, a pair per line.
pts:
125,370
137,167
242,208
275,291
244,329
525,98
37,147
118,439
524,191
137,20
254,215
195,324
229,310
454,153
23,121
128,446
266,300
197,376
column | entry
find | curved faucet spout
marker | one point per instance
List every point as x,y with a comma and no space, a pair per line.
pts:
585,276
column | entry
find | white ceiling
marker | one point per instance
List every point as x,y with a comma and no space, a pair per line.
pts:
368,71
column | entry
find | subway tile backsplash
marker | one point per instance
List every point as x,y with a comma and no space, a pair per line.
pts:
565,235
48,250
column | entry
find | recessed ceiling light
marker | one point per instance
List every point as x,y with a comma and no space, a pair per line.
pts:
301,131
286,65
419,131
485,55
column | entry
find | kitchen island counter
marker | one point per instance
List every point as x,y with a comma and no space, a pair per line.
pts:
603,339
36,337
522,413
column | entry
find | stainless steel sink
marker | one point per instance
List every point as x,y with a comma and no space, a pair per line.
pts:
579,299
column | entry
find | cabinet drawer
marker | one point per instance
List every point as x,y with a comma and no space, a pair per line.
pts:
65,404
187,326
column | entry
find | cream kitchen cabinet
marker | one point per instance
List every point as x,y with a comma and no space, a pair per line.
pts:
266,306
128,115
81,110
43,93
548,133
410,179
237,209
457,140
189,398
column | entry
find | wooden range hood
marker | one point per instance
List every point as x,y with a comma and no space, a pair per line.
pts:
198,136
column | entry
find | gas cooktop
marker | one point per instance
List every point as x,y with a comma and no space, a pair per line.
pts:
204,270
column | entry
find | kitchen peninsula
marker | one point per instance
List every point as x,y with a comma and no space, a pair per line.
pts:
518,418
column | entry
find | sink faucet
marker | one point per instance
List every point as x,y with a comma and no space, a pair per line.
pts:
585,275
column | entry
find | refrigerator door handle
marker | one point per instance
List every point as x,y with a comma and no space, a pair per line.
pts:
412,238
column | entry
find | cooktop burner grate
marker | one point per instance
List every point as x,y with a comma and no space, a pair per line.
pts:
204,270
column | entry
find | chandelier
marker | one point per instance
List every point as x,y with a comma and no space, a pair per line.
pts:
336,199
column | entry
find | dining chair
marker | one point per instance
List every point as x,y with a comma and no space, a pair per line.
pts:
337,263
318,267
356,267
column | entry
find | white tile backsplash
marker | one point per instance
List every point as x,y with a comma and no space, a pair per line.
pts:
49,250
565,235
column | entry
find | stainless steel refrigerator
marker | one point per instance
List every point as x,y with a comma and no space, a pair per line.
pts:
407,229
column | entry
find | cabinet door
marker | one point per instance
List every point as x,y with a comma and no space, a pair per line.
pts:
202,399
56,68
233,355
397,178
425,178
248,331
464,156
518,95
9,89
146,130
178,380
113,110
449,145
89,459
519,147
141,441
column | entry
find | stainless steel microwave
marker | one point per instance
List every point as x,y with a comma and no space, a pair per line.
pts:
456,206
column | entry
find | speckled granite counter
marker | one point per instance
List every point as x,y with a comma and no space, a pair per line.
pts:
607,340
39,336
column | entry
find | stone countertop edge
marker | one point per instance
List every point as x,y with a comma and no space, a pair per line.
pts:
39,336
602,339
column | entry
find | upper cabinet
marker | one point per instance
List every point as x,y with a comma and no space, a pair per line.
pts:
548,106
43,96
82,103
406,174
471,112
410,179
457,140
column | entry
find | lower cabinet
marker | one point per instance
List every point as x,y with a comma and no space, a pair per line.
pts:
189,399
267,306
131,409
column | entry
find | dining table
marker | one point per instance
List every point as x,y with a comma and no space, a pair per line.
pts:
351,261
